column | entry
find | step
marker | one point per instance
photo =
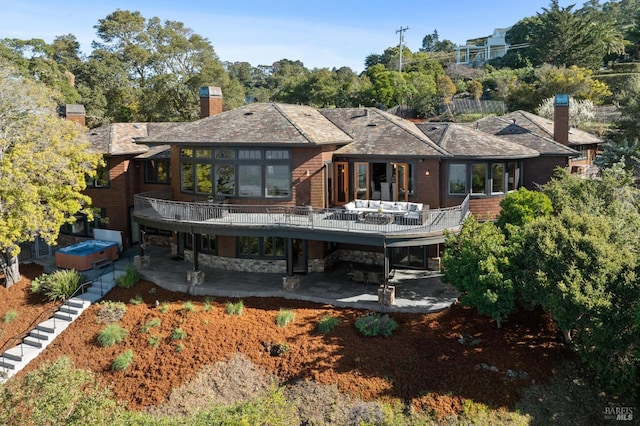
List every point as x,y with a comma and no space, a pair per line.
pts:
79,302
20,352
65,316
66,309
32,341
40,334
5,363
53,325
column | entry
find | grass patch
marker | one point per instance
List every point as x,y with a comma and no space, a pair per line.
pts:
179,348
235,308
9,316
285,317
137,300
178,334
188,306
111,334
58,285
375,325
122,361
164,307
154,322
207,306
153,341
129,278
111,311
326,324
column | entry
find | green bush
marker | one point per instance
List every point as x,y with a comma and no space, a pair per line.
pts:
137,300
284,317
179,348
111,311
326,324
122,361
178,334
235,308
154,322
58,285
9,316
164,307
207,306
153,341
375,325
111,334
188,306
129,278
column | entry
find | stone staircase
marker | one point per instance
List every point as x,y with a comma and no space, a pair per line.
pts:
15,359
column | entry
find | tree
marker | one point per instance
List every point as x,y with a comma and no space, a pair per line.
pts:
523,206
581,112
432,43
43,163
475,88
476,262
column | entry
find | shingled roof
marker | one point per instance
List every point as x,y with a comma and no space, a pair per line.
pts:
121,138
544,127
375,132
524,132
258,123
465,143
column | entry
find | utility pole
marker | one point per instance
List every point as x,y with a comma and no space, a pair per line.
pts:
401,32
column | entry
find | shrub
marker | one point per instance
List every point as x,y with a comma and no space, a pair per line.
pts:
58,285
164,307
235,308
179,348
111,311
207,306
122,361
9,316
178,334
129,278
326,324
153,341
376,325
137,300
154,322
188,306
111,334
284,317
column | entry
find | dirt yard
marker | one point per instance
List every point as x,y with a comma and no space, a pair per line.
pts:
423,363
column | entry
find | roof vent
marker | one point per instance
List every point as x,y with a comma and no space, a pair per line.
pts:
372,125
434,128
248,113
513,121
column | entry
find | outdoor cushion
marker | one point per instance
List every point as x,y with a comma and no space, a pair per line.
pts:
360,204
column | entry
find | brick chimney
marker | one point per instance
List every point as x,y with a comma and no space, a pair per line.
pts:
75,113
210,101
561,119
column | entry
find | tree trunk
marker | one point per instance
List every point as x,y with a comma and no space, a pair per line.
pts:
11,269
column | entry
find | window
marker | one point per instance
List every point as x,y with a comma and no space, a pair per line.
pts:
261,247
478,178
457,179
485,178
157,171
251,173
206,243
82,226
101,179
497,178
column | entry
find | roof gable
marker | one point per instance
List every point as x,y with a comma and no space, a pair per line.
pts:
259,123
376,132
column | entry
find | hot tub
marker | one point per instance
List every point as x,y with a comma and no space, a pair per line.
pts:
82,256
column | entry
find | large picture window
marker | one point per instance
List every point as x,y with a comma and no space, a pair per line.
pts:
206,243
483,178
247,172
261,247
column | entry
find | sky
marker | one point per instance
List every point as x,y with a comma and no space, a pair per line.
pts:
321,34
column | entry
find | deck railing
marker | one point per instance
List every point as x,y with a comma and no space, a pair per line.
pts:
157,206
